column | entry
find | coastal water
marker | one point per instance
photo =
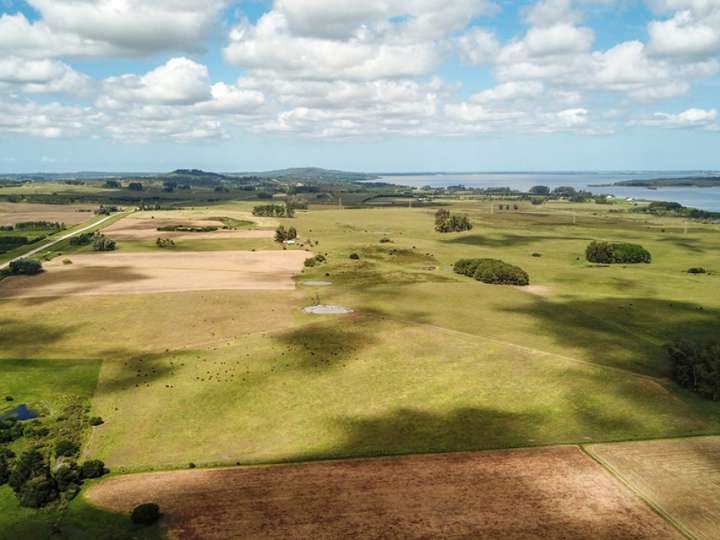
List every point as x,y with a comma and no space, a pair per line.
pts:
692,197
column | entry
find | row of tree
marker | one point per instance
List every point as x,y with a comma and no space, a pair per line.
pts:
274,210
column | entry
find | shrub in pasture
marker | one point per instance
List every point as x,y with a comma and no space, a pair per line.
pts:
67,474
616,253
4,470
165,243
445,222
37,492
103,243
354,256
93,468
96,421
696,367
25,267
697,270
66,448
492,271
29,465
145,514
83,239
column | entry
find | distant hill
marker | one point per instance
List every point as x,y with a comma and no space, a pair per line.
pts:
316,174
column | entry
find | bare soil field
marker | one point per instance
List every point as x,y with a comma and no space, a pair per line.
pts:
130,273
11,213
681,477
147,229
554,493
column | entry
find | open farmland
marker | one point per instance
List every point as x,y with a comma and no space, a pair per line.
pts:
680,477
133,273
545,493
12,213
196,369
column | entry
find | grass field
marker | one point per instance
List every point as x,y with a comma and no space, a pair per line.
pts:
680,477
546,493
429,362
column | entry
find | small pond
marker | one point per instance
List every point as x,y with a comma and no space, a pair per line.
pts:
21,412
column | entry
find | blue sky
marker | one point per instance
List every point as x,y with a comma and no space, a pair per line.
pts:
384,85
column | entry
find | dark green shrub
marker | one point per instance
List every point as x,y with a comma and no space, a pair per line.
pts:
314,261
500,273
37,492
697,270
445,222
537,254
609,253
165,243
492,271
4,471
93,469
83,239
25,267
355,256
66,449
145,514
696,367
66,475
96,421
103,243
27,466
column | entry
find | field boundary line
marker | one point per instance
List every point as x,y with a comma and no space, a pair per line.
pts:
655,507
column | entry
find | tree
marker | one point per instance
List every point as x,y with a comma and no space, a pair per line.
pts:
112,184
25,267
619,253
103,243
4,470
93,468
37,492
135,186
27,466
696,367
281,234
540,190
145,514
67,474
66,448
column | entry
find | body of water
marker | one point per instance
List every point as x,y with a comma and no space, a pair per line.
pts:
703,198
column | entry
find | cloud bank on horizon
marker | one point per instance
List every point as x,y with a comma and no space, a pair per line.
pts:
140,73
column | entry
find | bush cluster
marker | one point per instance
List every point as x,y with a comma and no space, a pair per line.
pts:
315,261
165,243
25,267
83,239
492,271
274,210
284,235
145,514
445,222
697,270
103,243
615,253
696,367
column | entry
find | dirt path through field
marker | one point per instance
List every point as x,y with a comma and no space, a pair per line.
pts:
548,493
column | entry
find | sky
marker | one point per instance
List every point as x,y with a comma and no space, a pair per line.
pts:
372,85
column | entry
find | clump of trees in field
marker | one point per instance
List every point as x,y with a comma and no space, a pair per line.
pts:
145,514
106,210
274,210
39,225
165,243
697,270
617,253
492,271
697,367
47,471
445,222
135,186
315,261
285,235
83,239
103,243
25,267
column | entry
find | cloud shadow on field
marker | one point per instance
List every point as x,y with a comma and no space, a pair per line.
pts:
74,281
627,333
24,338
508,240
325,345
689,244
